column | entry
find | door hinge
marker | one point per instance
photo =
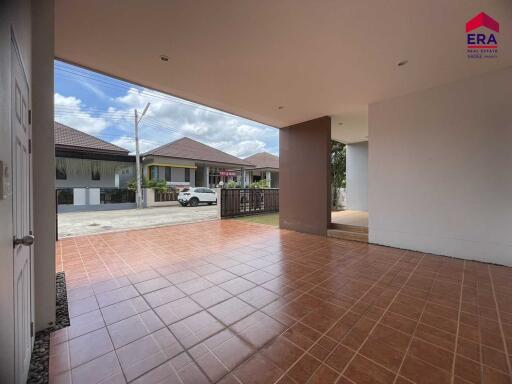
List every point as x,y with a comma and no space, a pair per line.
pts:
30,116
29,145
31,329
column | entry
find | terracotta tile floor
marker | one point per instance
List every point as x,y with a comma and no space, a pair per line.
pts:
233,302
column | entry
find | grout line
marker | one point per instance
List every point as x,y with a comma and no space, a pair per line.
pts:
413,334
349,309
480,346
458,321
300,261
504,340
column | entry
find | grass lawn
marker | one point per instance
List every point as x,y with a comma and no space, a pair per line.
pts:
268,219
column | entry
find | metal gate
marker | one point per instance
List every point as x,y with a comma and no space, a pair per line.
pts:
240,202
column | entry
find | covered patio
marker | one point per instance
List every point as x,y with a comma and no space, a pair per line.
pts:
255,304
424,302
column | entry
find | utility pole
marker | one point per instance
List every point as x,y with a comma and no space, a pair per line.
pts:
137,155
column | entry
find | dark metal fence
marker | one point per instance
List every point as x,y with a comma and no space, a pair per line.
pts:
64,196
171,195
241,202
116,196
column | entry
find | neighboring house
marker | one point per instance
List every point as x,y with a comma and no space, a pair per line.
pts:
266,167
90,172
189,163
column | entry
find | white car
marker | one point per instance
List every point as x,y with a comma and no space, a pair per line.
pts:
194,196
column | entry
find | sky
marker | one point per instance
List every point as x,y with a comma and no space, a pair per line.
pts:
103,106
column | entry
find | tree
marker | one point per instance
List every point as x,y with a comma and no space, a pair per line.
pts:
338,169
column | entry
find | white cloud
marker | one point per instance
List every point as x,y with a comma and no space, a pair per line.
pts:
169,116
129,144
68,111
243,148
167,119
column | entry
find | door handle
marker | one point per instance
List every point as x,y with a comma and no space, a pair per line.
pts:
25,240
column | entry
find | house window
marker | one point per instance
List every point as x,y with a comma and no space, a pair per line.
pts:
95,170
167,173
187,174
153,172
60,170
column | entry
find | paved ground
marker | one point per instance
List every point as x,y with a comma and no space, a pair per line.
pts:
357,218
87,223
231,302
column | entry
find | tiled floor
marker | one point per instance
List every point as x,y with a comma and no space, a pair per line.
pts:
232,302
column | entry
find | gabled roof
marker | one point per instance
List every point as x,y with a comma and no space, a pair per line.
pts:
187,148
70,138
264,160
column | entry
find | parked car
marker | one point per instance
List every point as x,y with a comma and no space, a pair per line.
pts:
195,196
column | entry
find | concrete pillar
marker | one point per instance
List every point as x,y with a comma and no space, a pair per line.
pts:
304,167
207,177
268,177
357,176
247,178
43,160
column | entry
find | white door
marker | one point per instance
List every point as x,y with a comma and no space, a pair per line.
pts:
22,240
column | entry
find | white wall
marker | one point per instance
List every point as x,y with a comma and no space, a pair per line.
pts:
357,176
443,156
79,174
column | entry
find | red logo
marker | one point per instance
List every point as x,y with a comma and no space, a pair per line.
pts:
482,20
484,43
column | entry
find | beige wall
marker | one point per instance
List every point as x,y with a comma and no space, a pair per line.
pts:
440,170
43,161
304,170
15,15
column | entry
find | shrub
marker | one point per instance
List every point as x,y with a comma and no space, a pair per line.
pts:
157,185
259,184
232,184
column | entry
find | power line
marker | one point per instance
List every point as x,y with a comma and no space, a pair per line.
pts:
149,93
150,124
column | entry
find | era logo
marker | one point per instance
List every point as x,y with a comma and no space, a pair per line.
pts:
482,40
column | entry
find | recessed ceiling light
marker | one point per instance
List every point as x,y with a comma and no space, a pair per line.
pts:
280,107
164,58
402,63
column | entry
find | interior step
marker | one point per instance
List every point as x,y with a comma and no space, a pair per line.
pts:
347,235
349,228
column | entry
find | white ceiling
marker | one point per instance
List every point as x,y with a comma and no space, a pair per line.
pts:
315,58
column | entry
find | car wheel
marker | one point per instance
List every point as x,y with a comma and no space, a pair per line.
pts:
194,202
183,204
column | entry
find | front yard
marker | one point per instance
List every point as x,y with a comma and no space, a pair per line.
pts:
87,223
267,219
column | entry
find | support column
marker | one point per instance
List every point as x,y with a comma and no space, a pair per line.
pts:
242,177
268,177
207,177
304,168
43,162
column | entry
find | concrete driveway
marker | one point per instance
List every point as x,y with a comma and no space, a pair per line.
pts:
86,223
